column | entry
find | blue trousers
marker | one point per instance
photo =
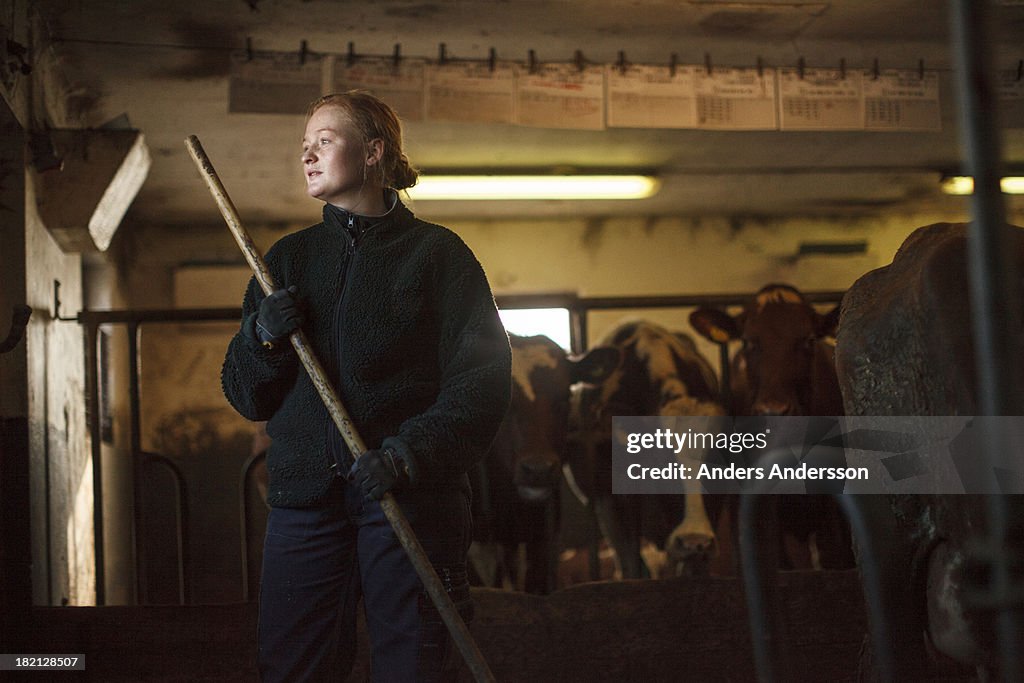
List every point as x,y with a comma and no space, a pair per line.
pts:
318,562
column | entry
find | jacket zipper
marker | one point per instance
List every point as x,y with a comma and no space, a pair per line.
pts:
350,254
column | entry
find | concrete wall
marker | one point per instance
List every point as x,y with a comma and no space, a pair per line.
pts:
620,257
670,256
615,257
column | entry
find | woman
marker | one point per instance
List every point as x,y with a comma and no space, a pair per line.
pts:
400,314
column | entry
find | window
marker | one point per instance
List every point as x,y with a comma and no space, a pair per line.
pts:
551,322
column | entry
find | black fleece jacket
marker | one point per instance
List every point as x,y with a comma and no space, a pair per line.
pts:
405,326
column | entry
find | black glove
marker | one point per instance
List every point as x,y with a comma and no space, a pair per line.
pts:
279,316
378,471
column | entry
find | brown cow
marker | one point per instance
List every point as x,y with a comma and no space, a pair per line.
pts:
515,485
785,367
904,347
661,374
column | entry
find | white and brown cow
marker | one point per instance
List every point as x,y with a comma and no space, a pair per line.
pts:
516,484
661,373
785,367
904,347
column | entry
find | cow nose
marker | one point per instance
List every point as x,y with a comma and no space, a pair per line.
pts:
766,408
537,471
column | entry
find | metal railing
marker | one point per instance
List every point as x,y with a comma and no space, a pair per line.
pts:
91,322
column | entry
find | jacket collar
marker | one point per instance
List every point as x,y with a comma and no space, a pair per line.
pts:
341,219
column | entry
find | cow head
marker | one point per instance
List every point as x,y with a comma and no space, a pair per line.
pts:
531,443
590,435
660,373
784,366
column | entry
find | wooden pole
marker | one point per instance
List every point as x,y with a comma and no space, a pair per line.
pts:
460,633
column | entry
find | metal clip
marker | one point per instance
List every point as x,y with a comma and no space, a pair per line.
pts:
56,304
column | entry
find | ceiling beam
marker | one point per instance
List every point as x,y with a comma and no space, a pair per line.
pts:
83,201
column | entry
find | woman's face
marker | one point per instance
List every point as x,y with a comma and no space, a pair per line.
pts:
334,158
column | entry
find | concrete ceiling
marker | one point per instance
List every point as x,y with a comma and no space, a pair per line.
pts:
166,64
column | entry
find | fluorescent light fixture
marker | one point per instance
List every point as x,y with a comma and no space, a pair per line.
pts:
964,184
502,187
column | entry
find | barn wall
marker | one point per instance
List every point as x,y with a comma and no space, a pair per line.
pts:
618,257
664,256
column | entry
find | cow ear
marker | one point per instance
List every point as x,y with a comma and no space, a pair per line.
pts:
595,365
826,324
715,325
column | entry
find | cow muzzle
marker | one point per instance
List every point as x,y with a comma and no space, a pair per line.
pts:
692,545
768,408
536,479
